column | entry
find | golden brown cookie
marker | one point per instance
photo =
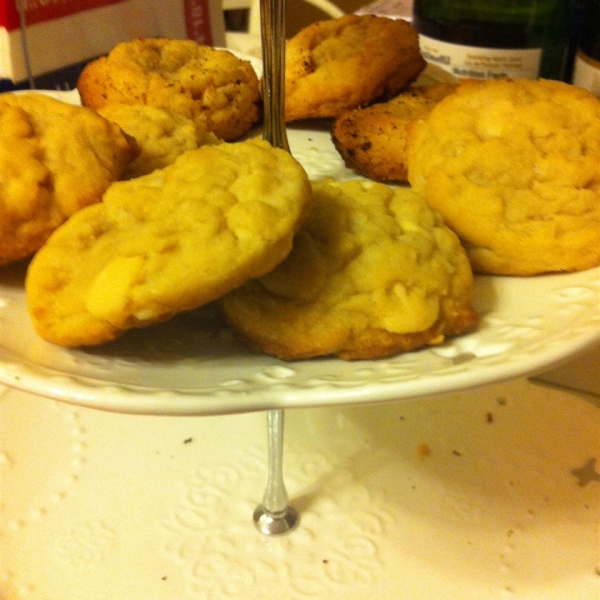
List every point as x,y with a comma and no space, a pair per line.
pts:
339,64
372,140
55,158
374,272
514,169
161,135
166,242
216,89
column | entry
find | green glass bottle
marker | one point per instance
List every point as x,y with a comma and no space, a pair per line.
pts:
487,39
586,69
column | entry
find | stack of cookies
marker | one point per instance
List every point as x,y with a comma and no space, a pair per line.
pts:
146,201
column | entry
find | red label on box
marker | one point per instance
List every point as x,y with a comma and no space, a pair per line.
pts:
197,21
38,11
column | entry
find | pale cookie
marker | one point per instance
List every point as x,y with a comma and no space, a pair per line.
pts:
372,140
514,169
55,158
374,272
161,135
166,242
216,89
339,64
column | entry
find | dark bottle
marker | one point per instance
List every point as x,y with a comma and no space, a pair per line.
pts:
487,39
586,68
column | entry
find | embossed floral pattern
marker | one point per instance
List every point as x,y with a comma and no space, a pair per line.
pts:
339,533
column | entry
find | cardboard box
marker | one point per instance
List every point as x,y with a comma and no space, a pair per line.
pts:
47,42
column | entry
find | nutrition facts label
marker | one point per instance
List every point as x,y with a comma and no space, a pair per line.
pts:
472,62
586,73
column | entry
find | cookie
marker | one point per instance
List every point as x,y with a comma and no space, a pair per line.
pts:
160,134
514,169
372,140
374,272
166,242
55,158
214,88
339,64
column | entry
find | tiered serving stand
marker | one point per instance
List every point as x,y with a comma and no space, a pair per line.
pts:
192,366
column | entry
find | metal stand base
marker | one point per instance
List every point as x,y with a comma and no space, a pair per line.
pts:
275,524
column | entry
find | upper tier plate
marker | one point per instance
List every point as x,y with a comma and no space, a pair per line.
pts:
193,365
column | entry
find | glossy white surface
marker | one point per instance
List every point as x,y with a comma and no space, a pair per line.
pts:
492,494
